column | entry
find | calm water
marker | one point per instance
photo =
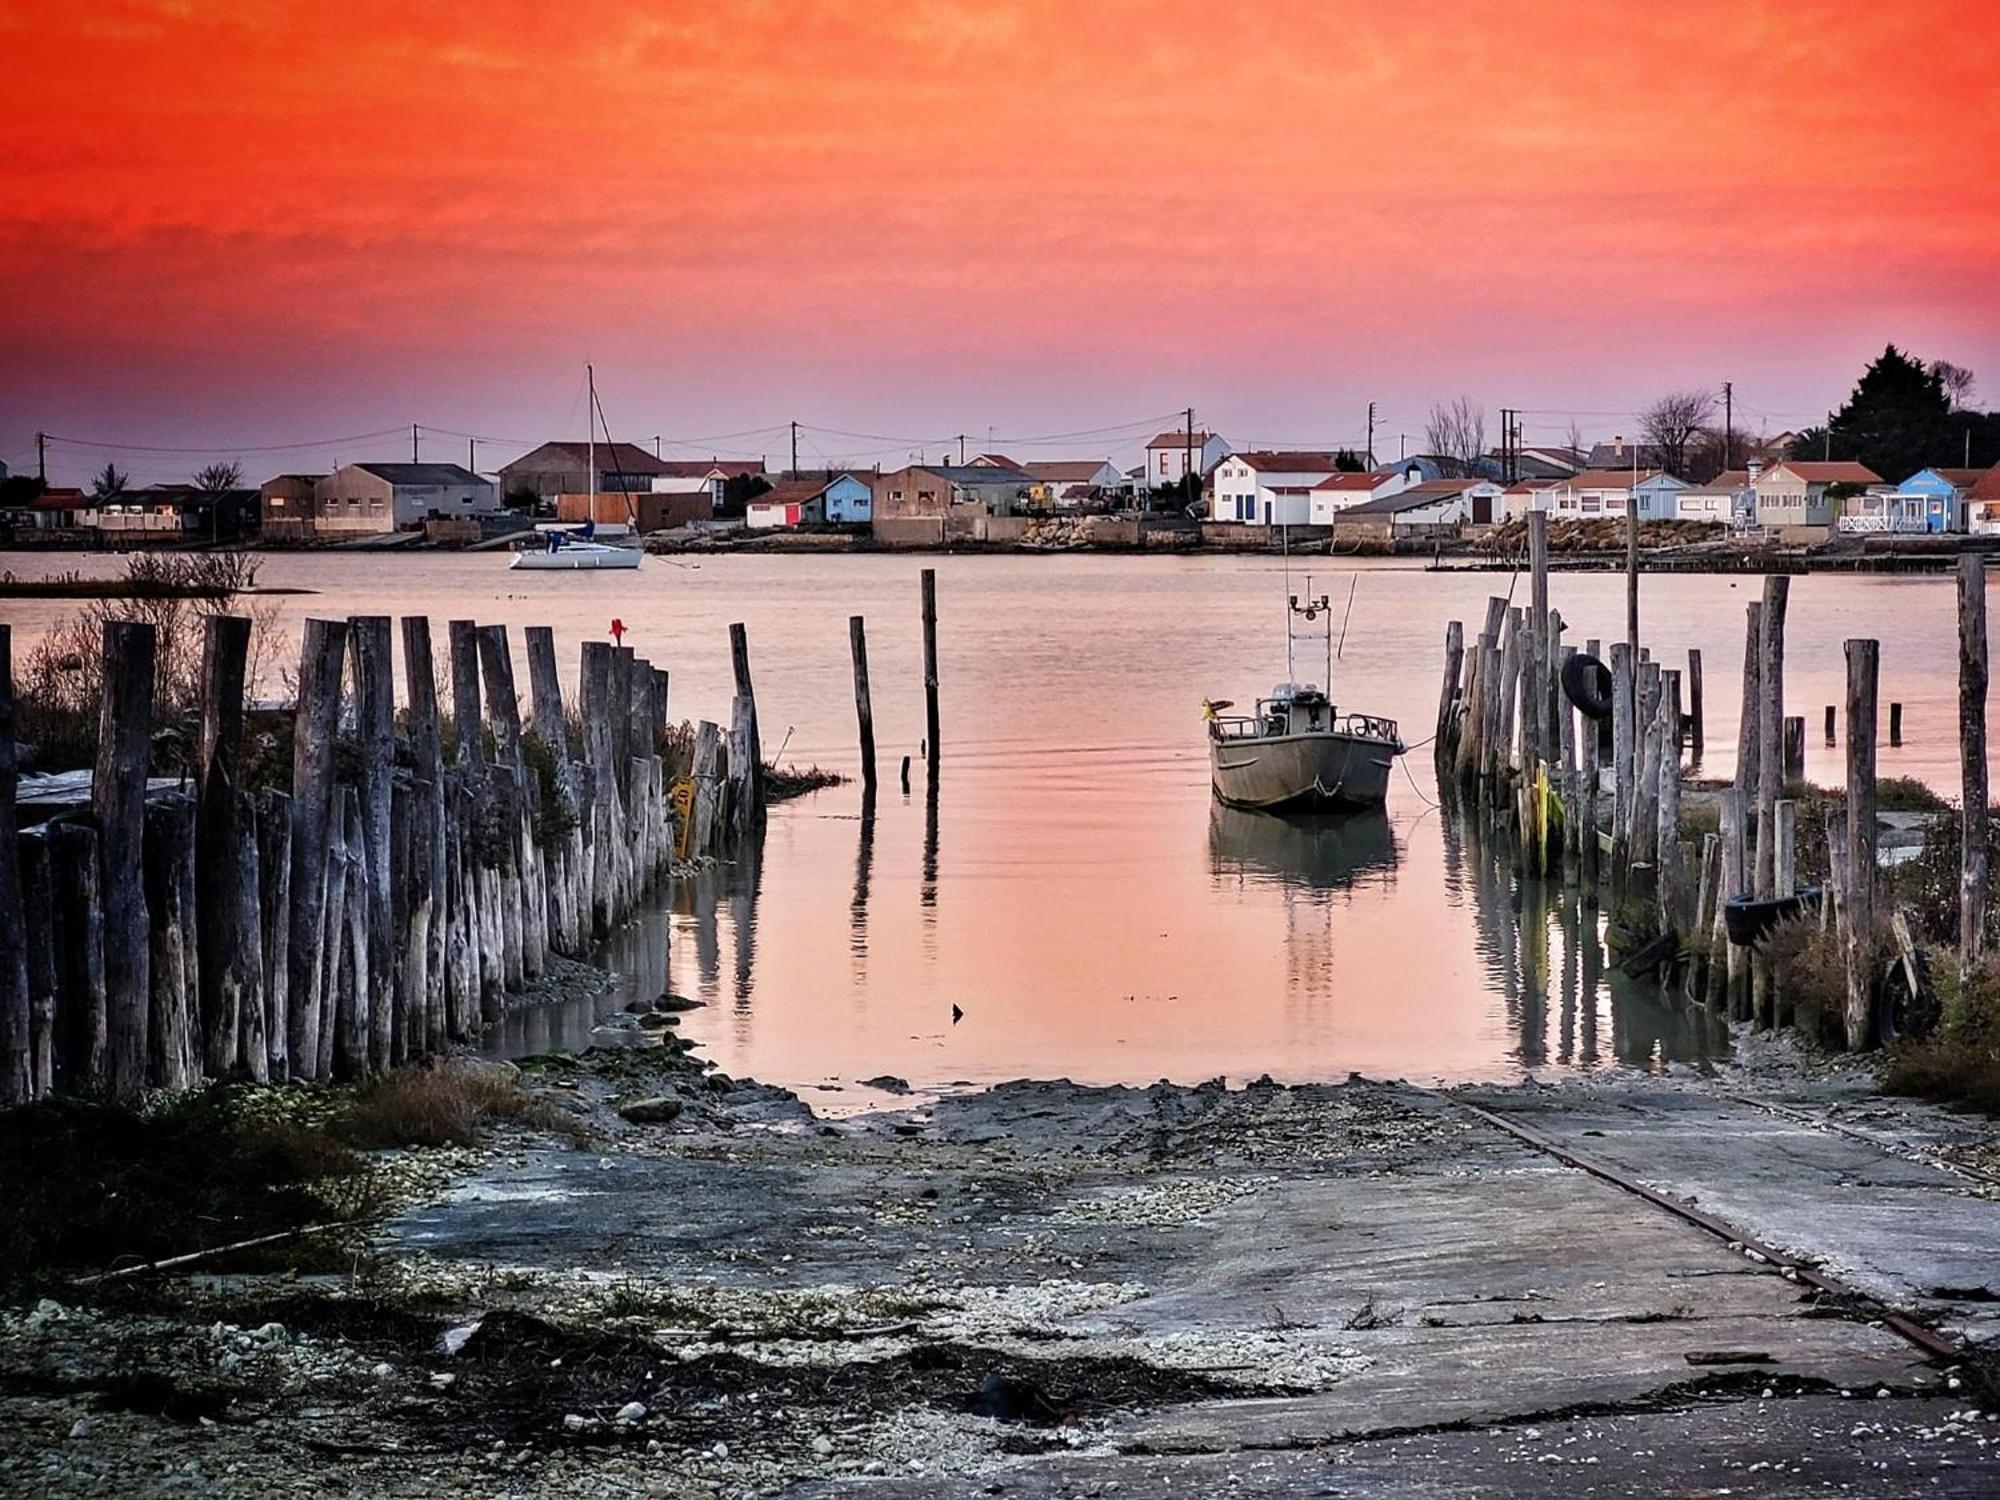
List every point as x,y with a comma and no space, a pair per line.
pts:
1068,884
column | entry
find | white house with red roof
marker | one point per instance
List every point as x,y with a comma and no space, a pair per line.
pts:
1343,492
1269,488
1167,456
1596,493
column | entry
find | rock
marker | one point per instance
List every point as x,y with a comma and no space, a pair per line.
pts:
45,1312
720,1450
574,1423
660,1109
639,1007
673,1002
889,1083
631,1411
653,1021
720,1083
384,1371
80,1427
271,1333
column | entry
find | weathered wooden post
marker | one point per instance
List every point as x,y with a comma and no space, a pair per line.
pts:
1454,656
1735,884
1534,734
1830,740
274,896
1512,650
739,661
1623,702
17,1084
1650,752
1697,733
930,670
1770,722
1753,698
864,708
741,803
118,805
1973,832
423,999
315,721
1795,746
375,728
38,882
178,1052
228,982
1667,838
354,1008
1895,725
605,809
82,1060
1785,861
462,637
1588,771
503,710
1863,667
707,788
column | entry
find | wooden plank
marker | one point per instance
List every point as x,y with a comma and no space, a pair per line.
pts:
315,721
741,801
1623,744
81,1051
463,644
1697,730
707,787
1974,877
423,998
1587,773
1863,670
118,806
38,884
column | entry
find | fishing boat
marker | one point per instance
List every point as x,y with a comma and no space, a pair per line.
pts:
566,549
1298,751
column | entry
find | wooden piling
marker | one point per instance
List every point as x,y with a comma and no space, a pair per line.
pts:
739,660
1623,743
118,806
1863,668
1785,855
423,996
1587,772
179,1050
462,642
375,729
864,708
930,671
606,812
1974,875
274,895
1770,723
1830,740
315,721
1795,746
1895,725
1454,658
17,1085
740,801
1667,836
707,785
38,882
82,1062
1696,730
1753,698
1735,884
228,981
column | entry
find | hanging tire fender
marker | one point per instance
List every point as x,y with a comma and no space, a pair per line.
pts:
1586,682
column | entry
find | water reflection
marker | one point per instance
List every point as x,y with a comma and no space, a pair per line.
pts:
1315,852
1535,934
857,909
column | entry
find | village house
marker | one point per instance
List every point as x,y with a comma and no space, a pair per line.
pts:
1343,492
1929,501
1431,508
380,497
1982,504
790,503
1539,463
1525,495
1726,500
616,512
710,476
1269,489
286,503
1064,483
564,468
1606,492
1167,456
1795,499
179,513
54,510
933,502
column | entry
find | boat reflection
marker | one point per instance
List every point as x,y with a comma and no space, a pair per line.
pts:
1328,851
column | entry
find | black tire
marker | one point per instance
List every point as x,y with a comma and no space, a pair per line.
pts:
1587,683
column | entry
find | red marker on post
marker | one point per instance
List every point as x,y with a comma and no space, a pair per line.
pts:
617,631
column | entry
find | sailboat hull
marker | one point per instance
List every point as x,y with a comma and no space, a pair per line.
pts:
1280,773
577,558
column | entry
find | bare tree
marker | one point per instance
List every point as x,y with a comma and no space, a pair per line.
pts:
1573,439
1671,424
109,485
1456,434
1957,381
219,479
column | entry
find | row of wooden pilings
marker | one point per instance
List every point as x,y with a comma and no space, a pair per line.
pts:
414,874
1512,739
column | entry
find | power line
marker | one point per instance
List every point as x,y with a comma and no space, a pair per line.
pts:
225,447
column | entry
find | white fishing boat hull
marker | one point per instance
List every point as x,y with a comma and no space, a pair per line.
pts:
1325,769
577,557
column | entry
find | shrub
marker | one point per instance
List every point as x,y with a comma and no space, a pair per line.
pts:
441,1105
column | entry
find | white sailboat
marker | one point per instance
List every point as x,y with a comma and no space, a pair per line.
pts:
564,549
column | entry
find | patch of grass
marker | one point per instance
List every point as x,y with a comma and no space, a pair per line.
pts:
1960,1064
95,1185
1906,794
442,1105
782,782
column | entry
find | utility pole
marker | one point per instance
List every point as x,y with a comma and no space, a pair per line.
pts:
1371,435
656,445
42,458
1507,444
413,444
1728,425
961,451
1826,448
795,450
472,455
1402,446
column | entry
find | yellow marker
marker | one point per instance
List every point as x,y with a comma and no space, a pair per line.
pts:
681,795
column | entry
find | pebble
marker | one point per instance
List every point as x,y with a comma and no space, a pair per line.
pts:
383,1371
632,1411
574,1423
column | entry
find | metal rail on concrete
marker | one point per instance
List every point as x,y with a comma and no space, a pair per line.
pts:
1934,1344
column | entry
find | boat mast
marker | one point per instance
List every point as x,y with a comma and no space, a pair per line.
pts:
590,426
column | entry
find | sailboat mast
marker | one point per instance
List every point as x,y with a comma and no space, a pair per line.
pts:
590,426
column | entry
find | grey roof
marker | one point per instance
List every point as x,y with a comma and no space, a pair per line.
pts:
980,473
415,474
1414,498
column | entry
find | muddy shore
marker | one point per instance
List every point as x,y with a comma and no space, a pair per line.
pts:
1042,1288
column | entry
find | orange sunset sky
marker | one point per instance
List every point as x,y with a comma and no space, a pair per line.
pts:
246,222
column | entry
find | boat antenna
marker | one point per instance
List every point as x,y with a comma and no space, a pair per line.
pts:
1351,587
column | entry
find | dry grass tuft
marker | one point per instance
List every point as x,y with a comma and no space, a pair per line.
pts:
442,1105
